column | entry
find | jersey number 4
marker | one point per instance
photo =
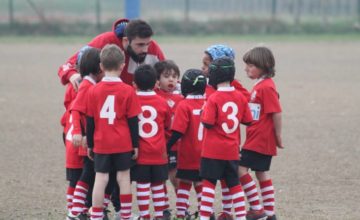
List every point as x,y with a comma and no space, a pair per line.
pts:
107,110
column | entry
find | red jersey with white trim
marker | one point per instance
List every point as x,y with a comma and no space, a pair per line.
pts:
264,101
172,100
235,83
69,97
187,122
80,105
72,158
154,119
111,102
225,110
154,55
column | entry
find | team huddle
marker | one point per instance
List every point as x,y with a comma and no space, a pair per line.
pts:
130,119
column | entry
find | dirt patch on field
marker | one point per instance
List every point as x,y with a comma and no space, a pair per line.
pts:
316,177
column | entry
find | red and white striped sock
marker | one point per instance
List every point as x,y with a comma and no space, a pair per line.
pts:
80,194
106,201
268,196
125,203
207,200
158,197
198,190
97,213
69,198
251,192
226,197
167,204
182,198
143,198
238,201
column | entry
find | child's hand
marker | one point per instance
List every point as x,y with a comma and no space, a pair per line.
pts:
279,142
84,142
76,140
75,81
90,154
136,152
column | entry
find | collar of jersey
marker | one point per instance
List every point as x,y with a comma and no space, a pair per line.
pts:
195,97
144,93
226,89
90,79
111,79
259,80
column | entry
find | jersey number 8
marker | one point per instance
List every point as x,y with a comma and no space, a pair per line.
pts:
148,120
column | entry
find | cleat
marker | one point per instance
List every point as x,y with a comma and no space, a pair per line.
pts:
273,217
166,214
255,214
224,216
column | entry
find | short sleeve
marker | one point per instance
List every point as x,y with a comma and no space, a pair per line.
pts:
181,119
246,117
208,115
133,107
271,100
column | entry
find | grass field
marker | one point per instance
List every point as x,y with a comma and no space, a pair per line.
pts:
316,176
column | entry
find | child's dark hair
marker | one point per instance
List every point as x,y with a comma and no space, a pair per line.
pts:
90,62
145,77
262,58
166,66
193,82
138,28
221,70
111,57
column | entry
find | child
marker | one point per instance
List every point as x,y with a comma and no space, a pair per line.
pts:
223,112
151,170
168,75
89,66
214,52
264,134
186,125
112,130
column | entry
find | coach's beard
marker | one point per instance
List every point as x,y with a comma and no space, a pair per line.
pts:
138,58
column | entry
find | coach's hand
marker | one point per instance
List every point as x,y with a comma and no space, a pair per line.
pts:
75,81
136,152
76,140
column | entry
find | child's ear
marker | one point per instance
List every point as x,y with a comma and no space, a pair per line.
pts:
157,84
134,85
122,67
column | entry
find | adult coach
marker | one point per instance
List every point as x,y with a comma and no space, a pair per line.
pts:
133,37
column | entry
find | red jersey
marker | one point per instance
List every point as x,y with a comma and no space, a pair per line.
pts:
79,109
235,83
225,110
172,100
187,122
70,95
111,102
153,121
72,158
154,55
264,101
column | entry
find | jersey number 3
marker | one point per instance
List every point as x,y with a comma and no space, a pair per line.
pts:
231,116
107,110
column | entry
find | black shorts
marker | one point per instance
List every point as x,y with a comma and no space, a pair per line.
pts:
172,160
105,163
214,169
149,173
254,160
191,175
73,175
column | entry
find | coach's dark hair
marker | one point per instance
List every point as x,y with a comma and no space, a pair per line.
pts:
166,66
90,62
262,58
111,57
145,77
138,28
